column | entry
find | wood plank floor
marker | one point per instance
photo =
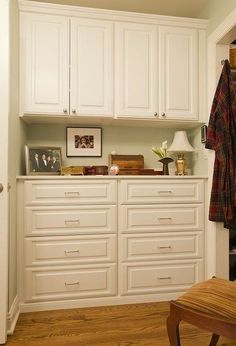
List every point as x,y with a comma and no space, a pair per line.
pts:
124,325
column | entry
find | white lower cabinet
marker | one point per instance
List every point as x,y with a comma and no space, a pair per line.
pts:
161,228
98,241
149,277
69,250
51,283
67,240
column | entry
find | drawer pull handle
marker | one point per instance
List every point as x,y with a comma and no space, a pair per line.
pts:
164,247
167,191
164,278
71,194
72,283
71,222
72,251
165,219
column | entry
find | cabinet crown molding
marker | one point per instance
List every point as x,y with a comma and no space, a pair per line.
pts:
111,15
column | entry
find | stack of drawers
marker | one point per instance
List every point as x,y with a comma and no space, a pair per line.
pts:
69,239
161,242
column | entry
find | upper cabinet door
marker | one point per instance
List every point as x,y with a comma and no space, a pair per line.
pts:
44,64
91,67
136,70
178,70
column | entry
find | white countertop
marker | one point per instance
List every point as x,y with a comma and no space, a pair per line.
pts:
118,177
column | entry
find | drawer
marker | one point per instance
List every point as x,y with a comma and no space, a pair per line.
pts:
69,250
153,278
150,218
156,247
41,284
69,192
162,191
68,220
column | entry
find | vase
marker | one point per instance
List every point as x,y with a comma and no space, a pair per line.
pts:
165,161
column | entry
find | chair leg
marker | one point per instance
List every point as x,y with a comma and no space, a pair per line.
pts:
173,331
214,340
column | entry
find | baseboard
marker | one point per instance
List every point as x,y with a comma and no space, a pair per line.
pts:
13,315
92,302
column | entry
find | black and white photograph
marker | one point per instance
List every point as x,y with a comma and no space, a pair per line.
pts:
83,141
42,160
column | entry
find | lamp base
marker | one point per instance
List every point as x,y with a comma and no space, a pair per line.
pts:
180,165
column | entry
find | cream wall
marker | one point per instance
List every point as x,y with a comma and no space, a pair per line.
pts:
123,140
16,139
217,10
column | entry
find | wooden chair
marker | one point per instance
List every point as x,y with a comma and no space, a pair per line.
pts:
209,305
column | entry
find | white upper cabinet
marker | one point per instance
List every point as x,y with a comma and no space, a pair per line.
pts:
95,63
44,64
178,71
91,67
66,71
136,70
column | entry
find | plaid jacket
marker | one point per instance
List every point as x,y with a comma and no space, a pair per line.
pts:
221,137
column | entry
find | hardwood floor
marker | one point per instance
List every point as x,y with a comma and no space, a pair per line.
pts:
124,325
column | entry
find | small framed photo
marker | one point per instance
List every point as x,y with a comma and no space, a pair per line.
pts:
84,141
42,160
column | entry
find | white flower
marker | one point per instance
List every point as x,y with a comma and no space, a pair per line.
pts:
164,145
161,151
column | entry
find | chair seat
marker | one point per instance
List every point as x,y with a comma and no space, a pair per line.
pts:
216,297
210,305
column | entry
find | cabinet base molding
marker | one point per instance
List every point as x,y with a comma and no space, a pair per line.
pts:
87,303
13,316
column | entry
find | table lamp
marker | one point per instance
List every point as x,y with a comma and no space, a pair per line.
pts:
180,145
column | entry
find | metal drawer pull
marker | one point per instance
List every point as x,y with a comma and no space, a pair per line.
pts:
72,251
167,191
164,278
164,247
69,222
71,193
165,218
72,283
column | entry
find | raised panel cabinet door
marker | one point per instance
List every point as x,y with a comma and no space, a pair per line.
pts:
178,71
91,67
44,64
136,70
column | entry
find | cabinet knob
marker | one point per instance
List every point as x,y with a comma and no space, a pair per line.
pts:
74,111
155,114
64,110
163,115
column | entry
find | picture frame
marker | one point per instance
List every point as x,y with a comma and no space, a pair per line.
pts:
83,141
43,160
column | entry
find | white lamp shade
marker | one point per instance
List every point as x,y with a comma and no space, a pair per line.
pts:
180,143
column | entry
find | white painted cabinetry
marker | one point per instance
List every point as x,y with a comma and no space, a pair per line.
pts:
161,226
44,64
66,65
68,239
91,67
156,72
70,253
68,62
178,72
136,70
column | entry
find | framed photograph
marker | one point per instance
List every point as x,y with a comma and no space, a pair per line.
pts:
83,141
42,160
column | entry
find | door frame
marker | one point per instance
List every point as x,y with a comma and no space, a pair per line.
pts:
217,235
4,106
